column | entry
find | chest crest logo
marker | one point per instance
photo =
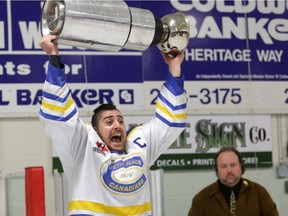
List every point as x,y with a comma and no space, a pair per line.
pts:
124,175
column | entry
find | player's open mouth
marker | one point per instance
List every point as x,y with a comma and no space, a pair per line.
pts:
116,138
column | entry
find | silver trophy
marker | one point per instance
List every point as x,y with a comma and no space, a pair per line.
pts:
111,25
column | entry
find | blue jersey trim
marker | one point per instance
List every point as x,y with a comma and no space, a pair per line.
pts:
55,97
57,118
56,76
182,106
81,215
175,84
179,125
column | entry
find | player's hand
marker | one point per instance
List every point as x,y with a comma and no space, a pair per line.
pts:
174,62
49,45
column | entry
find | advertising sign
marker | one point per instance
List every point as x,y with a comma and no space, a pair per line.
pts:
205,135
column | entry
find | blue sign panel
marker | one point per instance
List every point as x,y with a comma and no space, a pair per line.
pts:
230,40
3,26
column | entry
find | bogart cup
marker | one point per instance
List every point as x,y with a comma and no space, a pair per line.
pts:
111,25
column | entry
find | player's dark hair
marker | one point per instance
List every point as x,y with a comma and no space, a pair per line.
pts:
229,149
98,111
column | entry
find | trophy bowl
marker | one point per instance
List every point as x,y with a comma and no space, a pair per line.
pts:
176,33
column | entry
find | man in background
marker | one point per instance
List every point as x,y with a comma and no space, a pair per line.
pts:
231,194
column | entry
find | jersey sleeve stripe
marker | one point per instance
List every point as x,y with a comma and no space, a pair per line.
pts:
60,109
55,97
57,118
171,124
171,115
55,92
170,105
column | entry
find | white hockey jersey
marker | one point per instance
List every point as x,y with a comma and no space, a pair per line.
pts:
104,182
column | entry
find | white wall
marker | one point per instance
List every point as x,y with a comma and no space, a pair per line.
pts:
23,144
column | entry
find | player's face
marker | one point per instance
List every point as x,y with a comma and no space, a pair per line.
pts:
229,168
111,129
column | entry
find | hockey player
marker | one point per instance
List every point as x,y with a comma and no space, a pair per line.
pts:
107,170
